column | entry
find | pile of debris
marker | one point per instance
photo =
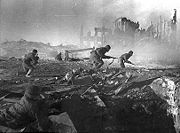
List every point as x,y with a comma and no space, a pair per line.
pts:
110,100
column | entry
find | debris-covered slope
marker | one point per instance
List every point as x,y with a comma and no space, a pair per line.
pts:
22,47
106,101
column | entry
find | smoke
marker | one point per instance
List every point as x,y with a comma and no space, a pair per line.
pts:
59,21
156,53
146,51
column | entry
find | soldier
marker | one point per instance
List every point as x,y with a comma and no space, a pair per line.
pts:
99,54
124,59
59,57
66,55
29,62
31,108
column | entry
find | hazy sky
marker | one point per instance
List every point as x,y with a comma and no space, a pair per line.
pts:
59,21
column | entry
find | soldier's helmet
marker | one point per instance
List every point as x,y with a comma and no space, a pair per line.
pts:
108,47
35,51
32,92
131,52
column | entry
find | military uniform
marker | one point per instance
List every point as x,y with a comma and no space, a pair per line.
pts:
124,58
30,60
97,55
58,57
28,110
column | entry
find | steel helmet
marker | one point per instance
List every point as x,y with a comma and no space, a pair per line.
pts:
108,47
34,51
131,52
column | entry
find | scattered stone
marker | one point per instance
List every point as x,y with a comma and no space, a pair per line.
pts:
62,123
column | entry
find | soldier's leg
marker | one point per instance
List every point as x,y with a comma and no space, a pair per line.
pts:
122,63
100,63
31,68
94,59
24,67
29,72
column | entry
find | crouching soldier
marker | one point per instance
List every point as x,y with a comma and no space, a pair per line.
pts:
97,56
30,61
124,59
31,108
58,57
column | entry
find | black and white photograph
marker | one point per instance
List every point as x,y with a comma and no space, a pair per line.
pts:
90,66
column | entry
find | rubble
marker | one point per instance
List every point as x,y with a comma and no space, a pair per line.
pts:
105,101
168,89
63,123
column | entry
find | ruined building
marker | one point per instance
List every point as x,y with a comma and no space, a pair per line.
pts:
127,32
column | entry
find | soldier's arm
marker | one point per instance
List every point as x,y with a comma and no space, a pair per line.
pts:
106,57
126,60
102,54
109,57
129,62
34,59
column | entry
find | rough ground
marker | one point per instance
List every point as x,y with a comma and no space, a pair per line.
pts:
137,107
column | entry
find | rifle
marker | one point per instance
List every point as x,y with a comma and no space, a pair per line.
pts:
113,57
112,60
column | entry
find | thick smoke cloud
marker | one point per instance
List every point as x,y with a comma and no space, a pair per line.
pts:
59,21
